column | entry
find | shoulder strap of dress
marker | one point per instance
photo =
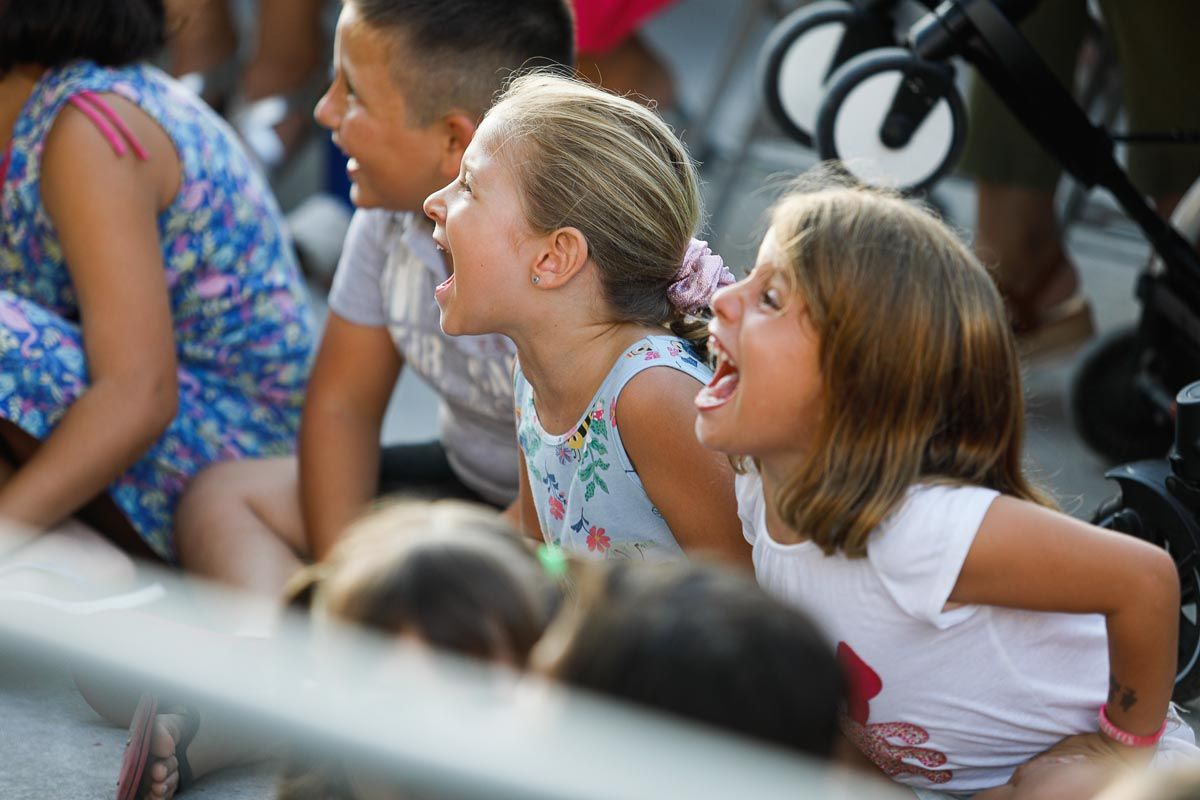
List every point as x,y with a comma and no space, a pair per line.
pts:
102,114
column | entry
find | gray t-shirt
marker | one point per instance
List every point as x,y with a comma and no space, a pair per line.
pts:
386,277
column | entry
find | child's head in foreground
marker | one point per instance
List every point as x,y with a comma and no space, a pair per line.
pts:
572,190
447,574
702,643
868,351
412,78
452,575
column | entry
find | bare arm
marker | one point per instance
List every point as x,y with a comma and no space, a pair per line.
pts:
692,487
105,208
1025,556
355,371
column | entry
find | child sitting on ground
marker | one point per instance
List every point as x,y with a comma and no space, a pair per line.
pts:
702,643
152,319
568,224
411,80
868,368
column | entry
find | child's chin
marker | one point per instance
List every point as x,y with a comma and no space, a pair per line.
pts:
709,434
453,326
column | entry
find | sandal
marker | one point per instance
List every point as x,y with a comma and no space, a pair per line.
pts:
1054,331
1057,331
137,747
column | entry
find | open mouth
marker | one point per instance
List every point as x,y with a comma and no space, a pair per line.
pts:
352,168
717,391
443,288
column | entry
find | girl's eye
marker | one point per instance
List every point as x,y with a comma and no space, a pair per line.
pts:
770,299
466,187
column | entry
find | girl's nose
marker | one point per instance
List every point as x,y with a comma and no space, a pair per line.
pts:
435,206
724,302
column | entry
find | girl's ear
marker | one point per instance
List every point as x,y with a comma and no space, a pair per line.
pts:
458,130
565,253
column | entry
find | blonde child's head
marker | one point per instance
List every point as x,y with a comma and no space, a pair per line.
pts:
916,365
612,169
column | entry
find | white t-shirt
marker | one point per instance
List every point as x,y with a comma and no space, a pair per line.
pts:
952,700
386,277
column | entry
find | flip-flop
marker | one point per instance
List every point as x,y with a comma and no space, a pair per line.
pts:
137,748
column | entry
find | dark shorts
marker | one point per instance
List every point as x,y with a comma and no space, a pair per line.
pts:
422,470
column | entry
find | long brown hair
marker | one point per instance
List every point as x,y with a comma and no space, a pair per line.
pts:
919,367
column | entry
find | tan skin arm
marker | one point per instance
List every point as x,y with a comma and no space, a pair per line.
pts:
105,209
356,369
1025,556
690,486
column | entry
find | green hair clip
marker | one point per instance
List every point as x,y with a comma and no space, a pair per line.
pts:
553,560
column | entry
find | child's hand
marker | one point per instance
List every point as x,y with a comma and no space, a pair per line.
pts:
1099,747
1077,767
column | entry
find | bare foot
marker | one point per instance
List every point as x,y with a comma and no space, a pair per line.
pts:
162,778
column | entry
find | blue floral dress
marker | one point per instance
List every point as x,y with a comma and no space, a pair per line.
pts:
243,329
589,498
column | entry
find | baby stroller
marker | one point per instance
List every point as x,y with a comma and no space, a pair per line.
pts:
880,97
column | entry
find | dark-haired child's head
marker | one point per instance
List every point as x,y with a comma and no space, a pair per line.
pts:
412,79
443,574
701,643
51,33
448,574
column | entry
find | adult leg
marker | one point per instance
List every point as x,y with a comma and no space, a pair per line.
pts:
1159,61
288,64
1017,234
240,523
203,46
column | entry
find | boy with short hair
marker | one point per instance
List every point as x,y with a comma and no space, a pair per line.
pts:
412,79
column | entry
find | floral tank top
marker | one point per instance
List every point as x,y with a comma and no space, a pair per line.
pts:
590,500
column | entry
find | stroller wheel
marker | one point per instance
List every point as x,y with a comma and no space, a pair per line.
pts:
893,120
1109,413
804,49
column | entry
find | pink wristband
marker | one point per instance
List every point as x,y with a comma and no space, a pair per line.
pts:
1125,737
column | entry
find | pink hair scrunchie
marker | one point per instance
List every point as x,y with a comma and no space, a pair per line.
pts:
700,275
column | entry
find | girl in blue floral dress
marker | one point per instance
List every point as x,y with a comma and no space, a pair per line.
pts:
570,231
152,319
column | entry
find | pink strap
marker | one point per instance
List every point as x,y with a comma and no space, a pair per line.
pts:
95,109
1125,737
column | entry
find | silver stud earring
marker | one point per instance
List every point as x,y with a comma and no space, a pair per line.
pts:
536,280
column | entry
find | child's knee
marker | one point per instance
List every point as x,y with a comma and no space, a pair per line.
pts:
211,498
